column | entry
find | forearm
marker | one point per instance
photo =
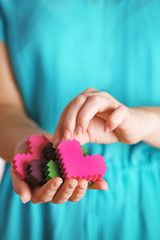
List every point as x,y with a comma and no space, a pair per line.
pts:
15,125
149,124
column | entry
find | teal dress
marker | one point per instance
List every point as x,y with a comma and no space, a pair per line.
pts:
57,49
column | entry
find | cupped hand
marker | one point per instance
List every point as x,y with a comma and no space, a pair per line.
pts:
55,190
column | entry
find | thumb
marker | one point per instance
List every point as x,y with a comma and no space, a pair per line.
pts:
116,118
20,187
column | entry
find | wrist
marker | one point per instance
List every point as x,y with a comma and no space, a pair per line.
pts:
148,122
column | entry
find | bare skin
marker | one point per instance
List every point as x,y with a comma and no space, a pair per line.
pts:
15,127
97,117
92,116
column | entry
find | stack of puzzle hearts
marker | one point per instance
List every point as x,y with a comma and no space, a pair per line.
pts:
69,160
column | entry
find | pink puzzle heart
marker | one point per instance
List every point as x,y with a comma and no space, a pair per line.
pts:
35,145
19,164
74,164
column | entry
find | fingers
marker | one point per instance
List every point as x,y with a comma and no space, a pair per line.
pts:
99,185
20,187
80,191
47,191
65,192
74,190
80,111
57,137
53,191
96,133
67,130
71,190
116,118
69,124
94,104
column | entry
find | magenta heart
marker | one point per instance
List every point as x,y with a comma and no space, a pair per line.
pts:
35,145
74,164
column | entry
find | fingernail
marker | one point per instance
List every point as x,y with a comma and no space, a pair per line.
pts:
79,130
107,129
22,199
67,134
57,184
56,142
83,186
73,185
106,188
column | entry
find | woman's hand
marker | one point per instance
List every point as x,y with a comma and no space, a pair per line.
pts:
53,191
97,117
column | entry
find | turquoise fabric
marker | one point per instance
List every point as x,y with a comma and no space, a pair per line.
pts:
57,49
2,34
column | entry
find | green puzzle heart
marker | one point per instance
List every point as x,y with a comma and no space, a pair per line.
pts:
52,170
